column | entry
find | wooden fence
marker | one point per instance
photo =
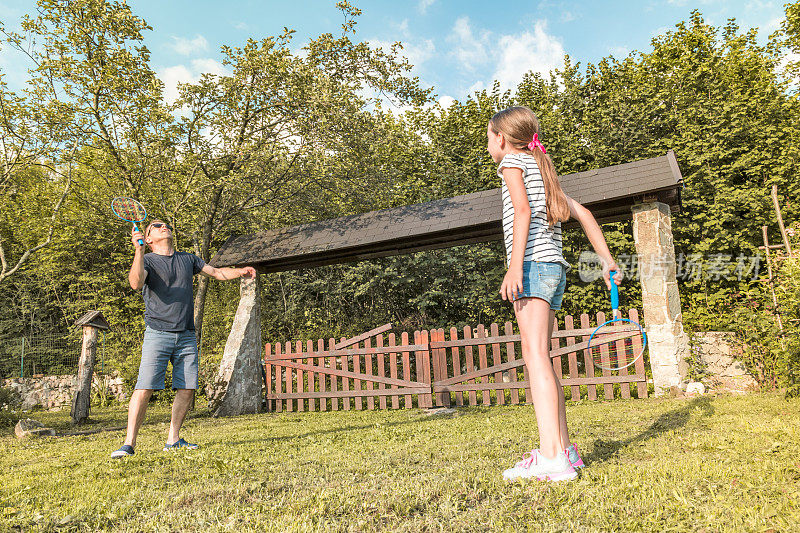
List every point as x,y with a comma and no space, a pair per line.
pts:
475,366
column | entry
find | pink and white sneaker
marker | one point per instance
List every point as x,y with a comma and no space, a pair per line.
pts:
534,464
574,457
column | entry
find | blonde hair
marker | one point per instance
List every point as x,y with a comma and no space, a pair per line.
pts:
518,125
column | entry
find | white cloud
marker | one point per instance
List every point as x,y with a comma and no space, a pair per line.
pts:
786,61
512,55
469,49
209,66
660,31
773,24
618,52
417,53
446,101
521,53
187,47
423,5
477,86
172,76
568,16
403,28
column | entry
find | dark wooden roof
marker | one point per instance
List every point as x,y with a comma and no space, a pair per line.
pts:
608,192
94,319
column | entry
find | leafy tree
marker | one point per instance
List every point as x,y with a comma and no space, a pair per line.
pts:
282,130
34,166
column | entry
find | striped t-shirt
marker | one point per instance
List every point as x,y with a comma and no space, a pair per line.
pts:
544,243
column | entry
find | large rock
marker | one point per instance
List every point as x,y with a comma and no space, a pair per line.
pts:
238,387
718,352
32,428
30,401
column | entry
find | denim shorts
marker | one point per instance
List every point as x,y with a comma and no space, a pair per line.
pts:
161,347
544,280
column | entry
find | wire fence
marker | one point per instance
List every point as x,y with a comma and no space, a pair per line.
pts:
44,355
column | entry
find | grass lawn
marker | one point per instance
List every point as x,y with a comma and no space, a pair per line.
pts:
723,463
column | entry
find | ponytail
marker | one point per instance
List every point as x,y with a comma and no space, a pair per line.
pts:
520,127
557,206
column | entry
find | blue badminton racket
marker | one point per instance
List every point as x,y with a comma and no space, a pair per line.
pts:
129,210
612,344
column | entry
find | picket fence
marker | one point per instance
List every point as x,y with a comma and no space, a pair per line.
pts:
425,369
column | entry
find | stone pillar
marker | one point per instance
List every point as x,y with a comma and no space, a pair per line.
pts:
237,389
668,345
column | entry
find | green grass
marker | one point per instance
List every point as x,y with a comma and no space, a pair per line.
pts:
724,463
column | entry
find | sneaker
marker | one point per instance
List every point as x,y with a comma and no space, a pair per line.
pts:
180,443
534,464
124,451
574,456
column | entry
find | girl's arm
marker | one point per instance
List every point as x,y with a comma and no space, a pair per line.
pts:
595,236
512,282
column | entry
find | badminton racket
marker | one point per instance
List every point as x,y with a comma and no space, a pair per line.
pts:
129,210
617,343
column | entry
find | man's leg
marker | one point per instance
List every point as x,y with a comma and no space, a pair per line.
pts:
156,350
183,399
136,411
185,364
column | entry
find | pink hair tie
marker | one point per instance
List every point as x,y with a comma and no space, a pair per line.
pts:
535,142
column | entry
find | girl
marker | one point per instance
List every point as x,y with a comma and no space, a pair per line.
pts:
533,208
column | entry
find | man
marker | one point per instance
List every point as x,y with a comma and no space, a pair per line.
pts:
165,278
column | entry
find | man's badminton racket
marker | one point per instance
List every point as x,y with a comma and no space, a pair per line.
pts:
617,343
129,210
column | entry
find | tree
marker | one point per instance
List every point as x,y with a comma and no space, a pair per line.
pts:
89,65
283,129
35,177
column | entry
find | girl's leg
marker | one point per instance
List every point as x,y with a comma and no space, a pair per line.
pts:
562,407
533,315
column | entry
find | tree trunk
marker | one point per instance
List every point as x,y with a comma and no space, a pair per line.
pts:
83,388
202,283
199,308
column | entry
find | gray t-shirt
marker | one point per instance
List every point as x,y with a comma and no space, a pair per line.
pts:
167,290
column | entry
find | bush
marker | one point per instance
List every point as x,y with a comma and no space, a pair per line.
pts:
9,402
771,356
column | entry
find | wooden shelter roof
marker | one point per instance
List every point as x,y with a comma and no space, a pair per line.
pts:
609,193
95,319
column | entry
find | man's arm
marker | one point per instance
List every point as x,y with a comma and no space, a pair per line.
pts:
224,274
137,274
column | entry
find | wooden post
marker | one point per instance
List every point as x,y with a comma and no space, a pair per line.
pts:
780,220
83,389
771,281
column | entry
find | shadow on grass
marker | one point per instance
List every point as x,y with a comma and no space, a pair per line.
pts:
101,421
347,428
677,418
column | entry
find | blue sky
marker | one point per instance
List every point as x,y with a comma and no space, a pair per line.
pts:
457,46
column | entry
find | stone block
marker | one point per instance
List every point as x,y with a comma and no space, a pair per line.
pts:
28,427
695,387
718,351
238,387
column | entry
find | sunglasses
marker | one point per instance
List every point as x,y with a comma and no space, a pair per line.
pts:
159,225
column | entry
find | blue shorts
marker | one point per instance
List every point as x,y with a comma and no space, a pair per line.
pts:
161,347
544,280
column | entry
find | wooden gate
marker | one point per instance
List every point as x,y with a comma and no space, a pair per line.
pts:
435,371
347,375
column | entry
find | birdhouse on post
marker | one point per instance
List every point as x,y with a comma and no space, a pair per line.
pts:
91,322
